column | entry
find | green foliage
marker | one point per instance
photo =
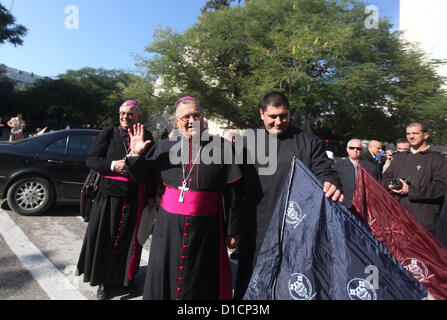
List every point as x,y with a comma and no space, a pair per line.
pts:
79,97
102,93
6,92
353,81
9,30
216,5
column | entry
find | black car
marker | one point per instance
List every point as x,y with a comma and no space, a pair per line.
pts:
44,169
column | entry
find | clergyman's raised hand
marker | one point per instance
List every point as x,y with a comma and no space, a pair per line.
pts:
137,143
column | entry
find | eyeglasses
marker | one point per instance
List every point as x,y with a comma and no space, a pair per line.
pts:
123,114
355,148
186,117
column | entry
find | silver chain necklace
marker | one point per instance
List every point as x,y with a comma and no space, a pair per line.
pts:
183,187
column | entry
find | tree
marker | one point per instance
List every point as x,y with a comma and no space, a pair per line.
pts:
9,30
6,92
216,5
349,80
102,92
79,97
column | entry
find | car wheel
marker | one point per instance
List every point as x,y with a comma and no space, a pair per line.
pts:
30,196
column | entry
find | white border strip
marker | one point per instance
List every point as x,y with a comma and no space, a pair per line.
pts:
52,281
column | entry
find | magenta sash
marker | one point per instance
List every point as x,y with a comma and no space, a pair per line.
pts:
201,204
120,178
195,203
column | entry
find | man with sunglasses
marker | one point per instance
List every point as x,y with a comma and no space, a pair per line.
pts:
346,169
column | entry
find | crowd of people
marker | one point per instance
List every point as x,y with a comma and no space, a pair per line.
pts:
414,174
205,208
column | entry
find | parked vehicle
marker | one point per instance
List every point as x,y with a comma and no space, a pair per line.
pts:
42,170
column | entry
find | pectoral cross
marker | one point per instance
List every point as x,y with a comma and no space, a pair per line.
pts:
183,188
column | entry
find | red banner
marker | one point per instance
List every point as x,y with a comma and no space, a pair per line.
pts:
413,246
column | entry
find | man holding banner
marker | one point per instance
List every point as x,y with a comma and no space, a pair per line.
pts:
263,188
315,249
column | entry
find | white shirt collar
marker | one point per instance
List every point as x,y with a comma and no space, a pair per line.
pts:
354,162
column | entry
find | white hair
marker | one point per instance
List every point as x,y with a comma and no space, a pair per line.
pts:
126,103
352,140
186,101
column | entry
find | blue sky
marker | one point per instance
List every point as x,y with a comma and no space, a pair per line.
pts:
110,32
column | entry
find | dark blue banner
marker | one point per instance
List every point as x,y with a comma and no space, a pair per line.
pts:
317,249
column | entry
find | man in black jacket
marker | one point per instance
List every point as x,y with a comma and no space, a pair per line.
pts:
346,169
188,257
264,181
375,156
110,254
422,173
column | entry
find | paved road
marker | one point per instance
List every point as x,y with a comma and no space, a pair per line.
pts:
38,257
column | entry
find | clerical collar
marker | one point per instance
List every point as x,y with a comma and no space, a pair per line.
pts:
123,131
184,135
283,135
414,151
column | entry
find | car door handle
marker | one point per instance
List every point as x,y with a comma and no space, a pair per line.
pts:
55,161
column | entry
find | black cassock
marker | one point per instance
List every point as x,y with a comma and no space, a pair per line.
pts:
186,255
263,191
110,253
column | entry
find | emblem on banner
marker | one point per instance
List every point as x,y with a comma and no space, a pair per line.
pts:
361,289
417,268
370,219
294,214
300,287
254,284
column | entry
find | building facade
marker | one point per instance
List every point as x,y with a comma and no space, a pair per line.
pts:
424,25
18,77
